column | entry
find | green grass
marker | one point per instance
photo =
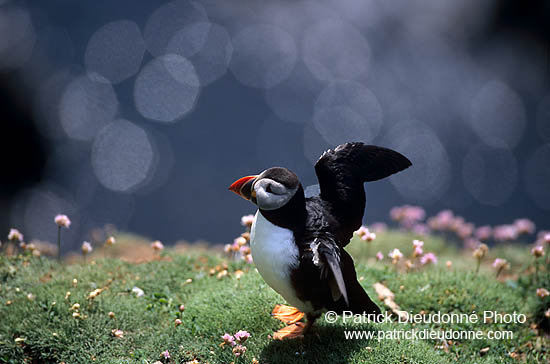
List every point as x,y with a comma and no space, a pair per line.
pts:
47,331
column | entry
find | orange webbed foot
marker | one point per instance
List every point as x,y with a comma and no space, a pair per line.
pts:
293,331
287,314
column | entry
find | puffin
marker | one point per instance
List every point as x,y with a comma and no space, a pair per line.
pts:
297,243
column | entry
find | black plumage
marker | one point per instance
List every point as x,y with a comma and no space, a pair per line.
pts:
324,225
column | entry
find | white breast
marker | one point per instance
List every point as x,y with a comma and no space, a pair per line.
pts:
275,254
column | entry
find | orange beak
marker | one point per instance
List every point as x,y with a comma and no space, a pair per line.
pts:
243,186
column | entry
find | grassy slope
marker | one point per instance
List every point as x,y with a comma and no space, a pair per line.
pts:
215,306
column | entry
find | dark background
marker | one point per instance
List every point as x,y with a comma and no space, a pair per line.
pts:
461,87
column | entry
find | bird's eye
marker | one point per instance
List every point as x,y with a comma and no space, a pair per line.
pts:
269,189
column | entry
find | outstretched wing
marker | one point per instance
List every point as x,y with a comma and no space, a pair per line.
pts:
341,173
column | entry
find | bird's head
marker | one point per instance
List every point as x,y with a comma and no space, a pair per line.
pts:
270,190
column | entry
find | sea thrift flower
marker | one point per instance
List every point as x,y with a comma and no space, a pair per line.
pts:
428,258
62,221
247,220
110,241
479,253
418,243
500,264
111,315
241,336
483,232
228,339
86,248
378,227
248,258
505,232
245,250
417,251
240,241
165,354
157,246
546,238
117,333
537,251
177,322
239,350
379,256
449,264
181,308
542,292
138,291
15,235
227,248
524,226
395,255
368,237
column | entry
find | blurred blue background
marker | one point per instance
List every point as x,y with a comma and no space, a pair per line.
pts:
140,114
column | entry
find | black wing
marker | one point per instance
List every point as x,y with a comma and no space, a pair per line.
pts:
341,173
327,278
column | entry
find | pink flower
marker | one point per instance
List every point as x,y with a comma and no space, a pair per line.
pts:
546,238
165,354
538,251
524,226
499,263
240,241
418,243
247,220
542,292
379,256
483,232
418,251
62,221
177,322
441,221
181,308
505,232
378,227
241,336
248,258
227,248
15,235
239,350
86,248
157,245
229,339
395,255
428,258
420,229
362,231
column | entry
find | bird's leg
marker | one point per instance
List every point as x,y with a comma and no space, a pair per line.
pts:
287,314
295,329
310,320
290,316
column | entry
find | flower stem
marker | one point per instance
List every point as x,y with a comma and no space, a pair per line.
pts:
59,243
478,264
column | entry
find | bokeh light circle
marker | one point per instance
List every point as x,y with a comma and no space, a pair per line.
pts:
207,45
335,50
497,113
490,174
429,177
121,155
537,176
263,56
169,19
293,99
166,88
115,51
356,111
87,105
